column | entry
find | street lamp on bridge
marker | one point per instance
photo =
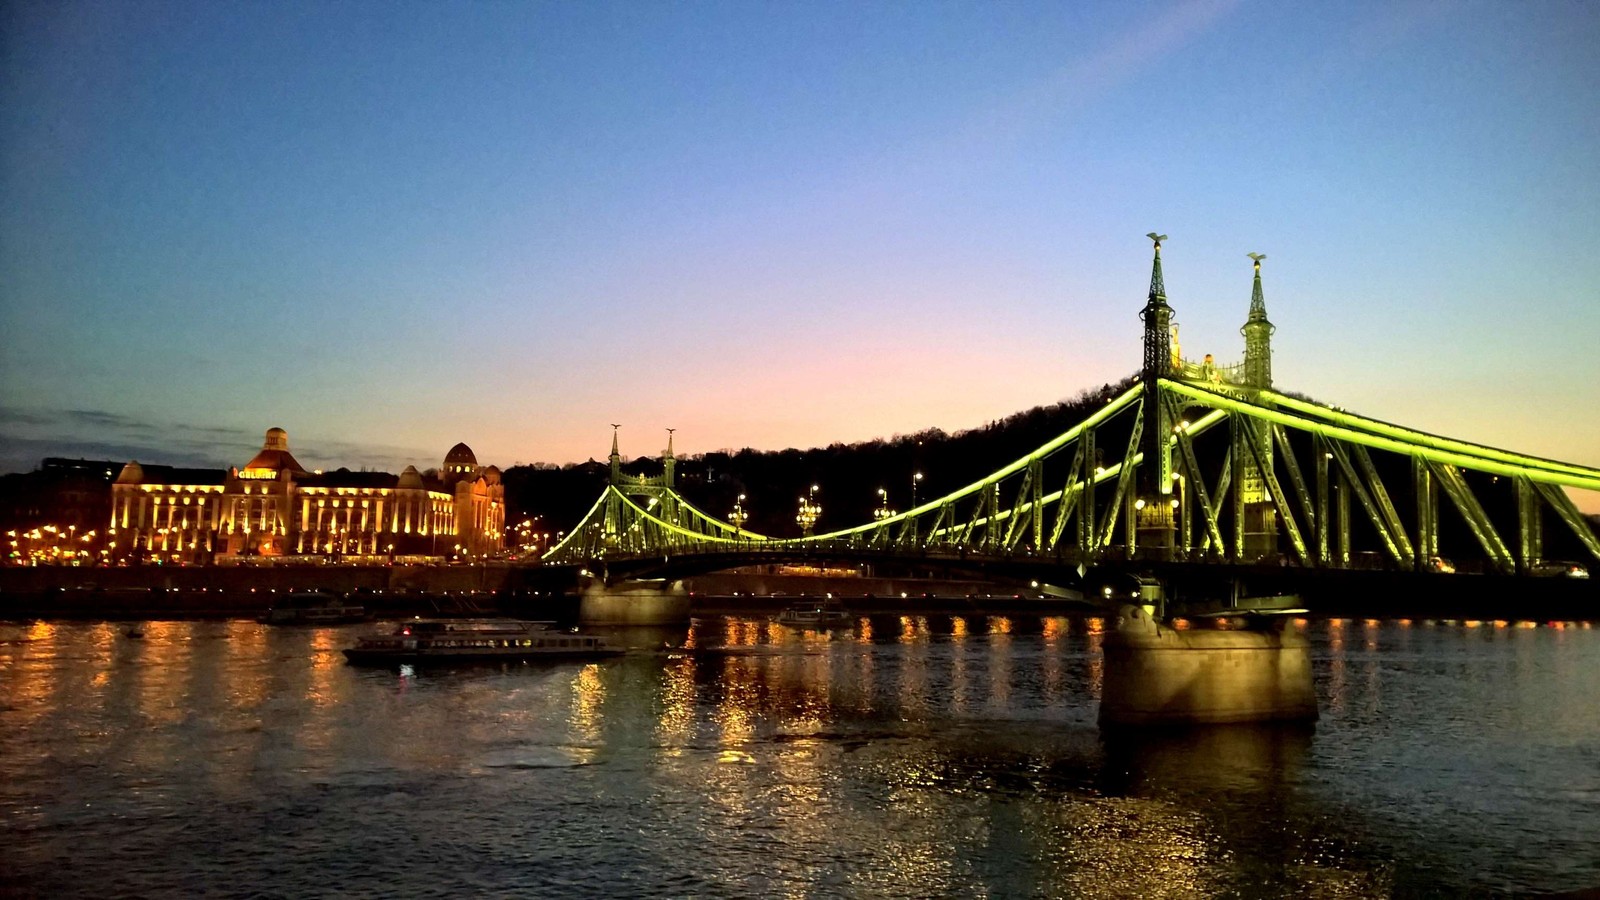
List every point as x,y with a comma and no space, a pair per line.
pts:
810,510
916,478
738,517
883,511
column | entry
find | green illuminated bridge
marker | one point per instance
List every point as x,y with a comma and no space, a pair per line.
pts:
1195,468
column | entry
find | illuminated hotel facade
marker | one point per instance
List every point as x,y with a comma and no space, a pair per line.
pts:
274,508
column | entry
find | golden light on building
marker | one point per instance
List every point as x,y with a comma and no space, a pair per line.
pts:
274,508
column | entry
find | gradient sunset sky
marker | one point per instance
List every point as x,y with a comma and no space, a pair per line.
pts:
387,227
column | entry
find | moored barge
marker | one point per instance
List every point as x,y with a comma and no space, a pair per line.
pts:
313,608
476,640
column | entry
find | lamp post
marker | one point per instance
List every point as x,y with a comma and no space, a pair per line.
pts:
916,478
738,516
883,511
528,537
810,510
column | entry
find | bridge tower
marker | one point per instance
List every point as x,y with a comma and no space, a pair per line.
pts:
1157,316
1153,510
669,463
1255,514
667,497
616,457
1257,333
1156,675
611,522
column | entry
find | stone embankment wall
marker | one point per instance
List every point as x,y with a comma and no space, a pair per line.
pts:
130,592
745,584
230,591
746,593
341,579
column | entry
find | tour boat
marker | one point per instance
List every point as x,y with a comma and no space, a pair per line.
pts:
822,614
473,640
314,608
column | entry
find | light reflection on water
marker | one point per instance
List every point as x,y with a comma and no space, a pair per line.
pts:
902,756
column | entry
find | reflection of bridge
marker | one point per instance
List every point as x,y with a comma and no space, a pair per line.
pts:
1194,466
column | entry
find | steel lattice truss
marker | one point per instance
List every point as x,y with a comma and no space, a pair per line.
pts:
644,518
1246,476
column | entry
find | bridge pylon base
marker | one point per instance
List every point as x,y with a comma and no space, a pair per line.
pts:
1155,675
655,602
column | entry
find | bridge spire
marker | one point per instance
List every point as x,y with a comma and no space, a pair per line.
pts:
1157,316
1257,333
1258,534
669,462
616,457
1151,508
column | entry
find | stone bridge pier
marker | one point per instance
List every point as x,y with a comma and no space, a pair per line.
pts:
1158,675
655,601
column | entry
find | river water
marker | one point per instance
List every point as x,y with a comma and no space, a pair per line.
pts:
903,757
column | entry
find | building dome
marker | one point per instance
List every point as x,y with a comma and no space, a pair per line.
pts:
273,458
132,473
410,479
460,456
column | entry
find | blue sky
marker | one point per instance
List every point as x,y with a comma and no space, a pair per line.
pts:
387,227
